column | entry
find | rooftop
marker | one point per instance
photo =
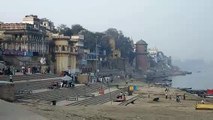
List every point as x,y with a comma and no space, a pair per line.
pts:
141,42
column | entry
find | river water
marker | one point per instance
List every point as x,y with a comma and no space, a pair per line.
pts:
199,80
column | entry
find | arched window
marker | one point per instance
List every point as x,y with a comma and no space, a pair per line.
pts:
56,48
66,48
63,48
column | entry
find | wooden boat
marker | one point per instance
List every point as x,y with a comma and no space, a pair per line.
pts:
204,106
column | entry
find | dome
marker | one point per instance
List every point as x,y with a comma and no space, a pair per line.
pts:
141,42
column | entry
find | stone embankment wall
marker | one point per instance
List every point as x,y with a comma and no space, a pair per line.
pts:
7,91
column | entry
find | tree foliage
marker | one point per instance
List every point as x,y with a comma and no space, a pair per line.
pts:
89,40
101,39
63,29
76,29
105,46
123,43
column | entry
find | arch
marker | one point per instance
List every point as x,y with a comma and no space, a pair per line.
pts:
56,48
63,48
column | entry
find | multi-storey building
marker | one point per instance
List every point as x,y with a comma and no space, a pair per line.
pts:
22,41
33,20
33,43
49,25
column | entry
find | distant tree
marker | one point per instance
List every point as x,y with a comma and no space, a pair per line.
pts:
112,32
105,46
76,29
63,29
89,39
124,44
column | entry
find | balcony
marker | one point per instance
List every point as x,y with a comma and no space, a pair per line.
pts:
62,52
72,50
91,56
79,44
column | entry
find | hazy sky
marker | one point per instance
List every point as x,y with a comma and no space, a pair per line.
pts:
180,28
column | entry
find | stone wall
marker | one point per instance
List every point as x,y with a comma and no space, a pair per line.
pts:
7,91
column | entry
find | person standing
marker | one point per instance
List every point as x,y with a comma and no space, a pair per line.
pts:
202,101
178,98
166,95
11,78
13,70
23,70
184,96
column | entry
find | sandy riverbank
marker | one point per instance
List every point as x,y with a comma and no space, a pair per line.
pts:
143,109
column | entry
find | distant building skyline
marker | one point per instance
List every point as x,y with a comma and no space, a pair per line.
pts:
181,29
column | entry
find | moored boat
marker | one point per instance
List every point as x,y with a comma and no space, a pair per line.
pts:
209,93
204,107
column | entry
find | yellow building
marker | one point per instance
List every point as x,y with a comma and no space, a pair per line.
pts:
116,53
65,53
112,43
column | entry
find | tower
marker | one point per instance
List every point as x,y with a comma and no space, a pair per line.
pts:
65,54
141,56
116,53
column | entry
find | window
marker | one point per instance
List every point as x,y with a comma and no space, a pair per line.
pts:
63,48
56,48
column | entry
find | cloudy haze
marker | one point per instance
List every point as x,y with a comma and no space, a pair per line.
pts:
180,28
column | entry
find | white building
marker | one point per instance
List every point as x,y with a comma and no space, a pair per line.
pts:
153,53
32,19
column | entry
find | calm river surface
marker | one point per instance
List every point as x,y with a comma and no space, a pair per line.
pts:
202,79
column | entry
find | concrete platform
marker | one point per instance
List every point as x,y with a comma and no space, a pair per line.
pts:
10,111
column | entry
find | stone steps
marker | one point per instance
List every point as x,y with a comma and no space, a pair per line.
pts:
27,77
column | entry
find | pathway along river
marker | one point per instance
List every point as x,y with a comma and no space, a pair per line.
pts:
199,80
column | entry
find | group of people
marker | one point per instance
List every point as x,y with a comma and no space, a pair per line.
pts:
61,84
68,80
30,70
105,79
178,97
9,70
